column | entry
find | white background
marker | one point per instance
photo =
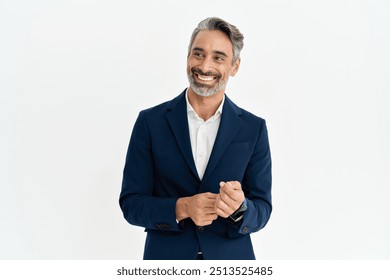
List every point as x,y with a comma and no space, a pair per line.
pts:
74,75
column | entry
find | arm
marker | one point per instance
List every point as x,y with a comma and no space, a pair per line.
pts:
255,187
137,202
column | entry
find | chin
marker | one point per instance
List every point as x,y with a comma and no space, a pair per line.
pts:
204,90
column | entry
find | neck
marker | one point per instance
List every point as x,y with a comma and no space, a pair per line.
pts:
205,106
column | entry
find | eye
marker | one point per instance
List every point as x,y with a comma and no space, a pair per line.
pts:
219,58
197,54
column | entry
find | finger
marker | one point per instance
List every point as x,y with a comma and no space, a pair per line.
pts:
209,203
232,187
208,213
206,206
224,199
206,219
228,188
221,204
235,185
236,196
202,214
204,222
230,197
222,213
210,208
212,217
226,191
207,198
223,209
227,204
203,199
209,195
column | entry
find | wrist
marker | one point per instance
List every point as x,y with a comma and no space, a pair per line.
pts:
238,215
181,209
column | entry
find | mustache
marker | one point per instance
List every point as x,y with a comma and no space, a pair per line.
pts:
200,72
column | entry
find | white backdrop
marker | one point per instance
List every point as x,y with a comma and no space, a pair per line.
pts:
74,75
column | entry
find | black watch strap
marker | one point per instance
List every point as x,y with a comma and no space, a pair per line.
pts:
238,215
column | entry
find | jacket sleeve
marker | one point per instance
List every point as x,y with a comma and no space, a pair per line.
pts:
136,200
256,185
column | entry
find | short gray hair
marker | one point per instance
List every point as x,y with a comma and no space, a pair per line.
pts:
214,23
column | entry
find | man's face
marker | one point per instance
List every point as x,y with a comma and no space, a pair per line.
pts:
210,63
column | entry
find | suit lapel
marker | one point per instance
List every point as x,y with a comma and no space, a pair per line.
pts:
228,129
177,119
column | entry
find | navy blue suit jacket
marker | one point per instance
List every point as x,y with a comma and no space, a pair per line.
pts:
160,169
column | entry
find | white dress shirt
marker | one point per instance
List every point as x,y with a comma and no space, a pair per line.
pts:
202,135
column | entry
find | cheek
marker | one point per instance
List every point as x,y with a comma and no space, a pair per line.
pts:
189,68
230,71
191,62
226,70
190,65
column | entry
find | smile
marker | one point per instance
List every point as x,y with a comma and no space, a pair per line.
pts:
205,78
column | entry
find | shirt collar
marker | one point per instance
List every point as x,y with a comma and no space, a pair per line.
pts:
217,113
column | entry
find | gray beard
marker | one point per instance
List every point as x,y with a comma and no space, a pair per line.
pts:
204,90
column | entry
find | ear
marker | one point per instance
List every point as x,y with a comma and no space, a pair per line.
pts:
235,67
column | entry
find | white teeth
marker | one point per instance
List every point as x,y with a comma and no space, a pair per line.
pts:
205,78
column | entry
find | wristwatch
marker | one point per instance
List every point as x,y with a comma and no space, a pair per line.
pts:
239,213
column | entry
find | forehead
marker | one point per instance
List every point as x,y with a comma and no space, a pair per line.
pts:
213,40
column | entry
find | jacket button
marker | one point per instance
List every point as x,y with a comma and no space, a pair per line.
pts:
201,228
245,229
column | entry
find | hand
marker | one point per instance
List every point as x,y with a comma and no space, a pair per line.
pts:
200,208
229,199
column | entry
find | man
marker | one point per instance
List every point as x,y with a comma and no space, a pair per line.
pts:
198,169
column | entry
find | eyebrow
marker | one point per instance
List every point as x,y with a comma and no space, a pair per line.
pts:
215,52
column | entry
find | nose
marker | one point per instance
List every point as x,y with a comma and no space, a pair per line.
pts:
205,65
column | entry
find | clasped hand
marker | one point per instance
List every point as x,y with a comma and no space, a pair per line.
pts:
204,208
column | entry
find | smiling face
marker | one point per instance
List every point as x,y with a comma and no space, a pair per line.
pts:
210,63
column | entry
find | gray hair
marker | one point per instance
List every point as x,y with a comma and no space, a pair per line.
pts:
214,23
